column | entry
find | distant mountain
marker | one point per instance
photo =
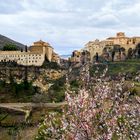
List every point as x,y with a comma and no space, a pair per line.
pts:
5,40
65,56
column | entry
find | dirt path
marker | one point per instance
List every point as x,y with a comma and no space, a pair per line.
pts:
23,107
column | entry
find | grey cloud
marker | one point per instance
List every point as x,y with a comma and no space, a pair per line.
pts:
122,4
10,6
71,6
67,24
106,21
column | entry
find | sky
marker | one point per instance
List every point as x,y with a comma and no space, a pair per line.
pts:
68,24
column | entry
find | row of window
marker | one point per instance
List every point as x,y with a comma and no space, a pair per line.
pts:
20,55
20,61
33,61
2,57
30,58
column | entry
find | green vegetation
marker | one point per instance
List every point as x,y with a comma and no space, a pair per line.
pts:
136,90
57,91
114,68
129,66
74,85
3,116
50,65
10,47
14,92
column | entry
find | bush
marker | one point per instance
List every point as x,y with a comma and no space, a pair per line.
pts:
50,65
10,47
57,91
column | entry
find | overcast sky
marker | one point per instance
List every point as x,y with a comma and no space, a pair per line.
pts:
68,24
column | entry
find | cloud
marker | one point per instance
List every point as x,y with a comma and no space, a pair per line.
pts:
67,24
10,6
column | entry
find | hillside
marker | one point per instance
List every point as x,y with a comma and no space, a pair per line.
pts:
5,40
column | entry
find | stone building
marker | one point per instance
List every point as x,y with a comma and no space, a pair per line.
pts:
75,56
38,47
35,56
22,58
124,42
55,58
81,57
94,47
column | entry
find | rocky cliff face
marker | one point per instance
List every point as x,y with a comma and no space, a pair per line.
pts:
40,80
5,40
37,76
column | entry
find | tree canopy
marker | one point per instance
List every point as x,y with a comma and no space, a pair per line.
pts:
10,47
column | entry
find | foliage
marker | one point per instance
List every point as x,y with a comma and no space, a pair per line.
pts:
53,118
50,65
13,91
102,110
74,83
56,92
10,47
129,66
18,88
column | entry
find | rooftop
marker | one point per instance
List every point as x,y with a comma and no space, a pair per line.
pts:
42,43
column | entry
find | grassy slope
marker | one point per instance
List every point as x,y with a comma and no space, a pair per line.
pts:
131,66
128,67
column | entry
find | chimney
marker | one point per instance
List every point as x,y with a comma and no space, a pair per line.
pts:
26,48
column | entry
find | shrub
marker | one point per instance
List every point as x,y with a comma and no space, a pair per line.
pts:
10,47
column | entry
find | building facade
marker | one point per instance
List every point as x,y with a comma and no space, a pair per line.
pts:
39,46
35,56
98,46
81,57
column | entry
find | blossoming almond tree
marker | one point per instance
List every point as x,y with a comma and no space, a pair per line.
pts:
102,110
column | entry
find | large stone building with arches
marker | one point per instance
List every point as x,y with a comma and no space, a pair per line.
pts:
35,55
